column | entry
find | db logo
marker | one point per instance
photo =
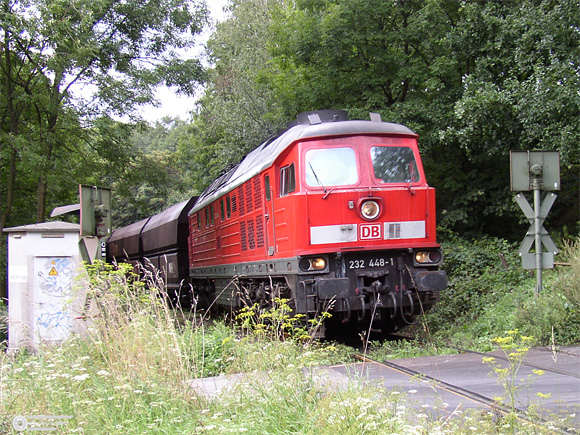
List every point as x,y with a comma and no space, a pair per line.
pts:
370,232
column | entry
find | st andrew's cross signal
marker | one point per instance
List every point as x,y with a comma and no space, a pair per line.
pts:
536,171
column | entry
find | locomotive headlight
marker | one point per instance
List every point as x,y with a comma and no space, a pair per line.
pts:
370,209
428,257
312,264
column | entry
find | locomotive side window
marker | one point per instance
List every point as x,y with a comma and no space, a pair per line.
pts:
199,220
331,167
223,212
394,164
287,180
228,207
206,217
267,187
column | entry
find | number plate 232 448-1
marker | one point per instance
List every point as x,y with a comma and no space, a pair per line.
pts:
371,262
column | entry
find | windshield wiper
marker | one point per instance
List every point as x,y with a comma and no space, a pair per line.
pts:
316,176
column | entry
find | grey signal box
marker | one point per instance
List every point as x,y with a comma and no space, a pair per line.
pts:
527,166
95,204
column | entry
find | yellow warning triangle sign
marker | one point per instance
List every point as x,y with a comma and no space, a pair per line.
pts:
53,272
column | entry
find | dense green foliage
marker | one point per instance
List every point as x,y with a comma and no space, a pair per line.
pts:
68,69
473,79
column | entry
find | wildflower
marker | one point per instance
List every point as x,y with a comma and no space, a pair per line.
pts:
123,387
81,377
103,373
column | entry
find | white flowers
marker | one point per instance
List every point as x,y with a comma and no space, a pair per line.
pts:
82,377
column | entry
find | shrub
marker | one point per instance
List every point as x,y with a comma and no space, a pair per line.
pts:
555,315
480,274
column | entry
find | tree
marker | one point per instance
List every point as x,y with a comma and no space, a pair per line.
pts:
521,92
53,51
66,67
473,79
364,54
156,175
238,110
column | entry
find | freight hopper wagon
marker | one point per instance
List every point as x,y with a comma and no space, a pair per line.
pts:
158,244
333,215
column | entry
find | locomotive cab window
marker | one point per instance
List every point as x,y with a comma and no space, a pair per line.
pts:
331,167
287,180
394,164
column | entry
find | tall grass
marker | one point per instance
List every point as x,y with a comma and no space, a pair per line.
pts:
131,373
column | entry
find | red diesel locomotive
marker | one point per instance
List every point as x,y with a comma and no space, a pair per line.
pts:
333,215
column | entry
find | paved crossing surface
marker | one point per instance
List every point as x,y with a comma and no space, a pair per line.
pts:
454,383
556,392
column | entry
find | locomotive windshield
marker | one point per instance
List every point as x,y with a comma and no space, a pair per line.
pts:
394,164
331,167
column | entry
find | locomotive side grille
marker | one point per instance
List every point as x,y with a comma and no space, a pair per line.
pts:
234,203
243,237
242,203
259,232
249,201
251,235
257,194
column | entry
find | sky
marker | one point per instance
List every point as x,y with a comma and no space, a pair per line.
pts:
171,104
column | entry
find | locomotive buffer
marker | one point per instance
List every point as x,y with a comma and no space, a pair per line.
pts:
536,171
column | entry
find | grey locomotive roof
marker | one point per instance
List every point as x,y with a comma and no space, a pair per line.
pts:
265,155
